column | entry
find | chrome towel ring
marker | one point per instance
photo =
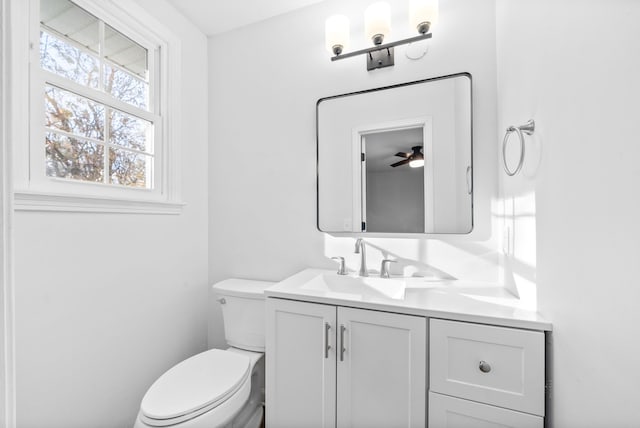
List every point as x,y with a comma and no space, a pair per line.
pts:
528,129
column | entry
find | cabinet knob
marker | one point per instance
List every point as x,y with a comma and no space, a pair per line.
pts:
484,367
222,300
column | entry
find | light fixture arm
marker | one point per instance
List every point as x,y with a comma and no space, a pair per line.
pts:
381,47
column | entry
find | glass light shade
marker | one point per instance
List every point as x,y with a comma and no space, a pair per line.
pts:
377,21
417,163
336,32
422,11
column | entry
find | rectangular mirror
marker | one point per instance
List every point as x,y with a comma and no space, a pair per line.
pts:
397,159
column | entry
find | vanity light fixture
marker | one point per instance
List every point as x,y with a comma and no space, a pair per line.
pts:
422,15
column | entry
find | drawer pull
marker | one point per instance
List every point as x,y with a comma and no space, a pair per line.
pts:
484,367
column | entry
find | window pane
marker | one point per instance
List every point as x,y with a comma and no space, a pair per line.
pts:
126,87
74,158
124,52
68,61
68,20
66,30
126,69
129,168
72,113
129,131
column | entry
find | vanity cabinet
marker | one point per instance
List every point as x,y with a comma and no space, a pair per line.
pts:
485,376
347,351
334,366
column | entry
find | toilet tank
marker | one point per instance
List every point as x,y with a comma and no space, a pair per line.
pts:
242,302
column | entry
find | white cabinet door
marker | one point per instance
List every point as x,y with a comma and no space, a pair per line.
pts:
450,412
381,369
300,364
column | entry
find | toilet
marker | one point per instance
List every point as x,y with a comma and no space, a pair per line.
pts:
217,388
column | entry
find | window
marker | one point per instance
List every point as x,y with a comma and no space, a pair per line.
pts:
98,105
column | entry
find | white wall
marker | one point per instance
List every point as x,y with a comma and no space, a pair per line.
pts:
573,67
395,200
105,303
264,82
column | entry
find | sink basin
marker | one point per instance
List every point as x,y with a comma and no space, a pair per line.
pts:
359,287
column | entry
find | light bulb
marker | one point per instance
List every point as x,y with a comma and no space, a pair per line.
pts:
377,22
336,31
416,163
423,14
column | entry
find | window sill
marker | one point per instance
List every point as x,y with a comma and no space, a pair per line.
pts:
34,201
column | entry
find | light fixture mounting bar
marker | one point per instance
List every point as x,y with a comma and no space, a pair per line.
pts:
380,47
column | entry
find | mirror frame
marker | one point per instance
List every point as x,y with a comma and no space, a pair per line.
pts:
394,234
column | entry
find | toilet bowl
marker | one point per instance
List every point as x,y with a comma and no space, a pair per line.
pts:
217,388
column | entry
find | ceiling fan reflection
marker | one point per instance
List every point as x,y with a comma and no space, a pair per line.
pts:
415,158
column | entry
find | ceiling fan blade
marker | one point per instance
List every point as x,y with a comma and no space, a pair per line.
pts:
402,162
403,155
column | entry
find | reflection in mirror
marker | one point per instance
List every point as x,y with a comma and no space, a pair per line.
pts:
397,159
393,181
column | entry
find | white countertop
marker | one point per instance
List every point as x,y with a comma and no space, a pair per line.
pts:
453,300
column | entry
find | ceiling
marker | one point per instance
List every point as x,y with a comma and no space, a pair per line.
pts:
217,16
381,148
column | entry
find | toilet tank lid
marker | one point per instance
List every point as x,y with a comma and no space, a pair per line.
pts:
247,288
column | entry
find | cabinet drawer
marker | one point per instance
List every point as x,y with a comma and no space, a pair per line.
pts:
450,412
493,365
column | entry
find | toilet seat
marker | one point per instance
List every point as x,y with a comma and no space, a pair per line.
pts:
196,386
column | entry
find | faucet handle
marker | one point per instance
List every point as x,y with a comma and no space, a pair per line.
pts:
384,267
342,268
359,244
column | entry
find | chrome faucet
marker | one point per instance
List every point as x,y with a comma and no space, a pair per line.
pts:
360,249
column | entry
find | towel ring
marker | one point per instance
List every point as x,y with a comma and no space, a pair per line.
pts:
528,129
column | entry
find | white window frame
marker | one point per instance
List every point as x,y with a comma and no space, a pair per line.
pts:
36,191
